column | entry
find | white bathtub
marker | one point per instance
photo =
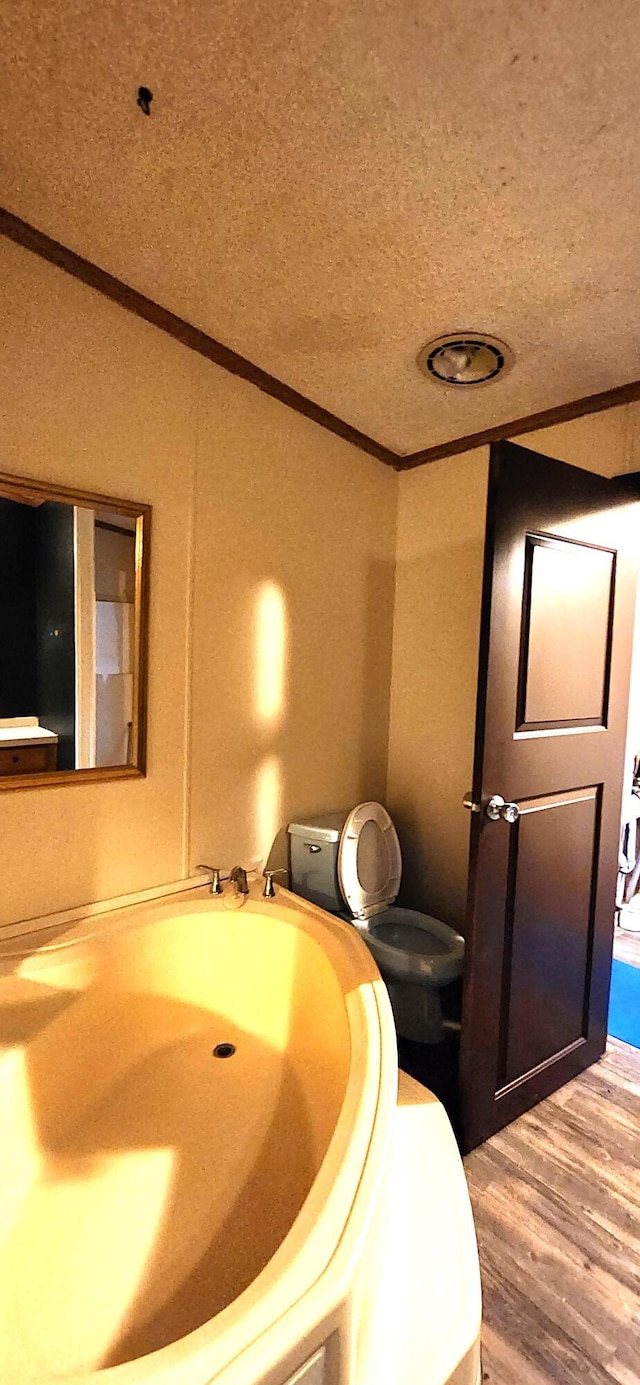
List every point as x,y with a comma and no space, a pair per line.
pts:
173,1216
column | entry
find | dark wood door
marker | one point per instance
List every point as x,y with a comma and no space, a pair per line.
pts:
555,656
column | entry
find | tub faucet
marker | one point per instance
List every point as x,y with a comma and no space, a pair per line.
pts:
238,877
216,878
269,891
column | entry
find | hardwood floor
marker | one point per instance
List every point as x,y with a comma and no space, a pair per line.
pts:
626,946
556,1198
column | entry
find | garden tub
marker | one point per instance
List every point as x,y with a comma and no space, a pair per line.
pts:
191,1097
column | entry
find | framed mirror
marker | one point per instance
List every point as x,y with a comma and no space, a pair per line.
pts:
74,582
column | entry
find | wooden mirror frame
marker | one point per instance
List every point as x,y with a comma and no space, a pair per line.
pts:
35,491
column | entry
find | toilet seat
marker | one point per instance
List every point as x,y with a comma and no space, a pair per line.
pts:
409,946
369,861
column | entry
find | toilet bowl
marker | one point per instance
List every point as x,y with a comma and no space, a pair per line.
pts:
354,859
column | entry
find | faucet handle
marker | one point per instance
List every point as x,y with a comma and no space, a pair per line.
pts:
269,890
216,878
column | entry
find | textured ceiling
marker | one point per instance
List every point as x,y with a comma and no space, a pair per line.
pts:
324,185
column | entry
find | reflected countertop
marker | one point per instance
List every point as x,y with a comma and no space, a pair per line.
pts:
16,731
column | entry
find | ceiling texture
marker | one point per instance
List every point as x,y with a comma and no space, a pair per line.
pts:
324,185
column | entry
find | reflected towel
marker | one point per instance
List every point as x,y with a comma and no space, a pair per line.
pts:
114,637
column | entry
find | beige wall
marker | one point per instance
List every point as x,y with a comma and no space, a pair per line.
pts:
292,622
271,607
604,442
441,521
243,493
85,400
293,608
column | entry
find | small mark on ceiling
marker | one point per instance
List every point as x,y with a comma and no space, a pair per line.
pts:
144,99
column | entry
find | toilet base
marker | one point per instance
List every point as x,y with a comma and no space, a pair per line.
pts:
417,1011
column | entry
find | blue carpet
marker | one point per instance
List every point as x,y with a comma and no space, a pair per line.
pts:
624,1003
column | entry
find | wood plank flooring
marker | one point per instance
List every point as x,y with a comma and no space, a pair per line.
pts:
626,947
556,1198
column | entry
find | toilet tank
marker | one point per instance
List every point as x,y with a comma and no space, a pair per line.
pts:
314,859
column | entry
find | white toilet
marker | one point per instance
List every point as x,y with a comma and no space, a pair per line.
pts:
354,859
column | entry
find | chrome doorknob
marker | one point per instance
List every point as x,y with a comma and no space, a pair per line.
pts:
497,808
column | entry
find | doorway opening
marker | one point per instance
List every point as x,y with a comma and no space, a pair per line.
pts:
624,999
554,654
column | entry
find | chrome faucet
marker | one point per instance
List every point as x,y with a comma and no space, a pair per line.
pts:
216,878
269,891
238,877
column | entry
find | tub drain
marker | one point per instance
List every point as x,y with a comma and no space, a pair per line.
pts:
224,1050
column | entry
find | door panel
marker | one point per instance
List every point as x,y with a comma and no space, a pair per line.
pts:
553,849
554,667
565,665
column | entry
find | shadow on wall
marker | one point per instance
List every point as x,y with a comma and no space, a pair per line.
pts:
432,736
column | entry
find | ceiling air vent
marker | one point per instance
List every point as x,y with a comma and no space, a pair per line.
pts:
465,358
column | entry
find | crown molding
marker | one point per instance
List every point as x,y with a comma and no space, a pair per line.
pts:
22,233
531,423
13,228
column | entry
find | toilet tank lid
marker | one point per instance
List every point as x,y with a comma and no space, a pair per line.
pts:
325,828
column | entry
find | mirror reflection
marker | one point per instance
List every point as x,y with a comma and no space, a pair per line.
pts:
71,633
